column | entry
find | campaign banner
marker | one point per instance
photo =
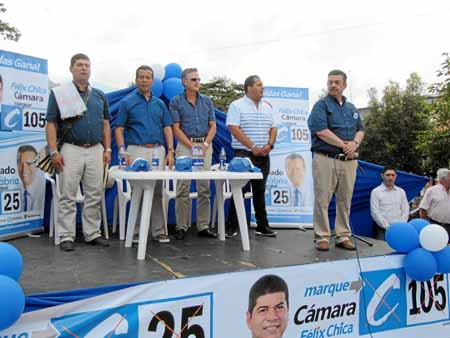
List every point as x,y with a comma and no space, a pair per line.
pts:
22,184
353,298
23,92
289,190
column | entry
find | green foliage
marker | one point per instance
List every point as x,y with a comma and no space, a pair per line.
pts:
435,141
394,124
7,31
222,92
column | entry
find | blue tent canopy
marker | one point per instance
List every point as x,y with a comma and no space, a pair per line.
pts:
368,175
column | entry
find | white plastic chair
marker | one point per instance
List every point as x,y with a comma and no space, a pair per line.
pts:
79,200
169,193
226,195
120,205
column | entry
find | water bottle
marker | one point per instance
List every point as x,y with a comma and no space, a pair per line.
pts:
155,160
222,159
122,157
197,157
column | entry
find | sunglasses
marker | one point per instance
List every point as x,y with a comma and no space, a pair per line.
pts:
195,79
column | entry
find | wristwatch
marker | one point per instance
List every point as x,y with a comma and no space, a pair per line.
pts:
271,146
54,153
206,144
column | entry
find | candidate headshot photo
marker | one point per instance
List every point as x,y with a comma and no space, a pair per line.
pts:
33,180
268,307
295,169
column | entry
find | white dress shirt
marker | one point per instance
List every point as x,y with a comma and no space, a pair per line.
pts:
437,203
388,205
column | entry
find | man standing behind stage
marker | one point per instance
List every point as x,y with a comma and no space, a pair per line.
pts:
194,123
435,204
337,132
388,203
252,126
147,123
82,157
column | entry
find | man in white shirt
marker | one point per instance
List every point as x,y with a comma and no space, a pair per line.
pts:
435,205
388,203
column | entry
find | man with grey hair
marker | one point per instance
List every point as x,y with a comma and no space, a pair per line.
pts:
337,131
194,123
435,205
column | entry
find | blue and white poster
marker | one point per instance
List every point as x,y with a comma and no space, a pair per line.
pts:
22,184
370,297
23,92
289,191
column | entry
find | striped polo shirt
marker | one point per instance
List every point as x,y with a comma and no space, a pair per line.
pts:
254,122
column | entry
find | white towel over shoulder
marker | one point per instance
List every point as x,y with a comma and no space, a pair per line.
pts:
69,101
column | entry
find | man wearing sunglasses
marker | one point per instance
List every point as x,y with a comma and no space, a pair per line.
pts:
194,123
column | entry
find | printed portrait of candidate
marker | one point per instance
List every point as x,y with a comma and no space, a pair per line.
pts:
33,180
268,307
295,168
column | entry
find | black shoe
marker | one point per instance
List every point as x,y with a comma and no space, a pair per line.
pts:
266,231
180,234
207,233
67,246
230,233
99,241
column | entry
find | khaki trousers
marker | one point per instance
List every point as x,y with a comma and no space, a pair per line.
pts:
332,176
182,206
156,219
83,165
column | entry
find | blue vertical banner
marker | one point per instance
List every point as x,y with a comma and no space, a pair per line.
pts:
23,92
289,191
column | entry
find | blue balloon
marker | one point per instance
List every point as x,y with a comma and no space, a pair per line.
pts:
420,265
12,302
419,224
402,237
172,87
157,88
443,260
173,70
11,262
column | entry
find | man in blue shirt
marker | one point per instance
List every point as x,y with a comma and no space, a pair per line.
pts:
145,125
86,149
194,122
337,132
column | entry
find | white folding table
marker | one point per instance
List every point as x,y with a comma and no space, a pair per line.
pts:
143,183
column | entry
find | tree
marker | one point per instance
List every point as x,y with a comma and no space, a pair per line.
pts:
394,124
222,92
7,31
435,141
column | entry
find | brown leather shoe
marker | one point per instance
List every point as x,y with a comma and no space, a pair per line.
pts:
347,245
322,246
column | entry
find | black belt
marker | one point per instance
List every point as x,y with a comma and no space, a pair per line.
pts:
197,139
83,145
340,157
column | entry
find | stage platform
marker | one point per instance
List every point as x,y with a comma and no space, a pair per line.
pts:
47,268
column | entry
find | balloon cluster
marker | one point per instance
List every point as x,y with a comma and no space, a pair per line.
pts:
12,298
425,245
167,80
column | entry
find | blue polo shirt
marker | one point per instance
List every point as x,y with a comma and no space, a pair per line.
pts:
88,129
194,120
143,120
343,120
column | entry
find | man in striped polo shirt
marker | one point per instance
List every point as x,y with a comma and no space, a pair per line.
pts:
252,126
